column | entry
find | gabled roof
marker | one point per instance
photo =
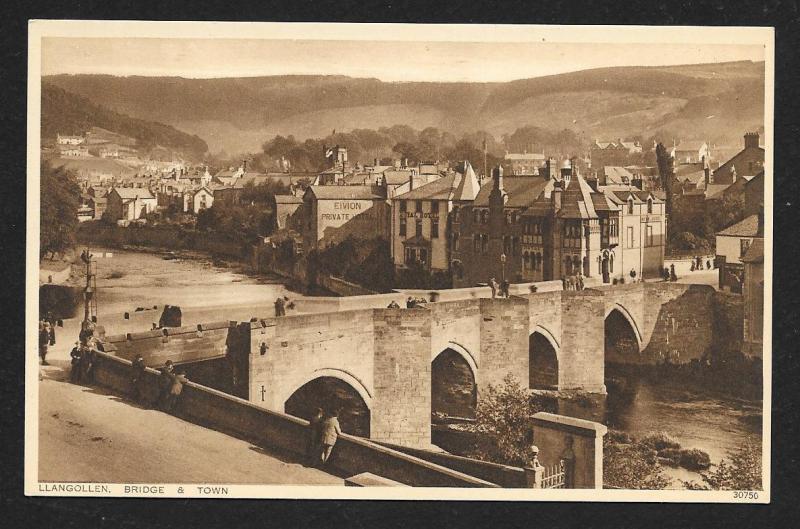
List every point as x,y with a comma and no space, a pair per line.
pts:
466,184
130,193
441,189
396,177
748,227
617,175
521,191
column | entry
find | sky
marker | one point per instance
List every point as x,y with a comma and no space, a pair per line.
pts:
381,59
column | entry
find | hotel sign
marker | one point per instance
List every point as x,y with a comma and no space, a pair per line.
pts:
420,215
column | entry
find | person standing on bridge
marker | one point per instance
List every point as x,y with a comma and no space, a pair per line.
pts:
44,340
280,306
137,378
329,433
493,286
75,371
314,433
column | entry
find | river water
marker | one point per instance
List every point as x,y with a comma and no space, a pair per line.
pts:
714,424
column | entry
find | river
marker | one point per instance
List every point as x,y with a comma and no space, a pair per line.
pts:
712,423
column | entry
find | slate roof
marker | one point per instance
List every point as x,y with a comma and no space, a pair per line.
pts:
521,191
288,199
617,175
748,227
130,193
441,189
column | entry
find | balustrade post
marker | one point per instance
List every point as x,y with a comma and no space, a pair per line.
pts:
534,474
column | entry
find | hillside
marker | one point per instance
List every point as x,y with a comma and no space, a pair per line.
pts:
67,113
715,102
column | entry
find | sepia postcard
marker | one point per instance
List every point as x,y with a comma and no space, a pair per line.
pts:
390,261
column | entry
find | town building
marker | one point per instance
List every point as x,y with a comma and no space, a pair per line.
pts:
334,212
554,226
613,153
129,203
748,162
690,152
524,163
732,244
63,139
285,207
197,200
421,220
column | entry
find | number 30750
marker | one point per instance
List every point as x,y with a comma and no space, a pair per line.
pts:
745,495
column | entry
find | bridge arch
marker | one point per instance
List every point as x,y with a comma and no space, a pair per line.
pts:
454,382
329,389
625,313
543,365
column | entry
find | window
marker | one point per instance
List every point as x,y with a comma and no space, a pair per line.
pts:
649,205
613,227
455,240
435,207
630,236
507,245
484,216
423,255
418,206
434,228
402,226
484,243
649,235
476,216
611,263
476,243
526,260
537,261
418,227
402,206
744,245
630,206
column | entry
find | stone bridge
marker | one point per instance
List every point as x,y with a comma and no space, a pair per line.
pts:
395,361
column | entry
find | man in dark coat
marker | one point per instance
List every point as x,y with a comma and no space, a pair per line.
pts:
314,430
138,370
75,371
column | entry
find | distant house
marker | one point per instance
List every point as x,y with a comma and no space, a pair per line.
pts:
690,152
524,163
129,203
198,200
69,140
71,150
613,153
748,162
98,206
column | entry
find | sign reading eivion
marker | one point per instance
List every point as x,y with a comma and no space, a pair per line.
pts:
335,213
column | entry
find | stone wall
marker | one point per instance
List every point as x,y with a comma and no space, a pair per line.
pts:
728,323
242,419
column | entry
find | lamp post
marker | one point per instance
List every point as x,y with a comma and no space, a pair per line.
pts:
503,262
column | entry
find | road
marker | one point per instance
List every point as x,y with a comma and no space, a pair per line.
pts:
88,435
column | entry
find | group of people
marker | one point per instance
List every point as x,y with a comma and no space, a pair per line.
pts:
82,360
324,430
171,383
668,274
281,304
574,282
411,303
500,289
697,264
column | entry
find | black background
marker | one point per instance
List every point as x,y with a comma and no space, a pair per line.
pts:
19,511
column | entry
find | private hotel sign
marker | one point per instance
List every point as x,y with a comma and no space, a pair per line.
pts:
335,213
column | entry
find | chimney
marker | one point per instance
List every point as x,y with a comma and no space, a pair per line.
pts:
497,176
707,175
375,163
555,196
751,140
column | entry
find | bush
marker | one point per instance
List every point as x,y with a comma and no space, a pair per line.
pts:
116,274
671,456
659,441
631,466
694,459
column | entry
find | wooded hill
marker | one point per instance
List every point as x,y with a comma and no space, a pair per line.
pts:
67,113
713,102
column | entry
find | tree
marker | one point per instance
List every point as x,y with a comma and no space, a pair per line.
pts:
666,174
504,415
741,470
59,201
